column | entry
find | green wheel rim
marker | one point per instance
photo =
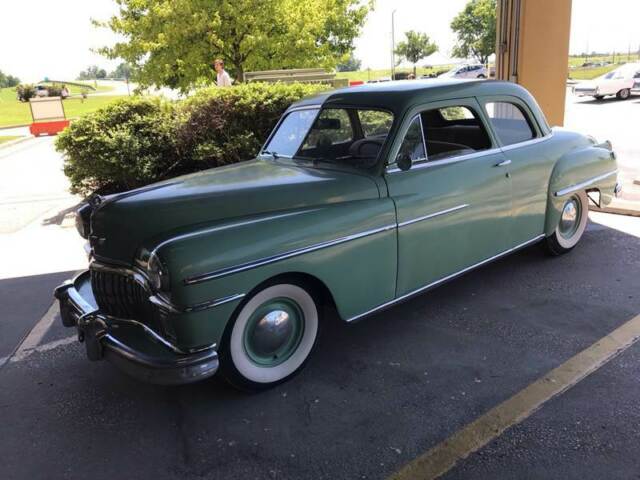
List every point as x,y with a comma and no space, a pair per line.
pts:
570,218
273,332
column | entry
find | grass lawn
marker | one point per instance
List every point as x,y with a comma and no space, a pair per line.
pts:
13,112
577,72
8,138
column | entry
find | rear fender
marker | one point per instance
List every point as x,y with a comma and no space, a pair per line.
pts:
591,168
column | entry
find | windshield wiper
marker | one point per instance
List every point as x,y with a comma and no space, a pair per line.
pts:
274,155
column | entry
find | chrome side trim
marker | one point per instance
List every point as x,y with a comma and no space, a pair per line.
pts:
444,279
446,161
161,302
223,272
586,183
433,215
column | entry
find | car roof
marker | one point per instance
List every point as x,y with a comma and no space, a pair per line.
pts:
400,95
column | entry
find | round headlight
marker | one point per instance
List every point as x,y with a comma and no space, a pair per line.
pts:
158,275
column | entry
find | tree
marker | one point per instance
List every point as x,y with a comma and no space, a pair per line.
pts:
416,46
174,42
8,80
475,27
351,65
93,72
122,71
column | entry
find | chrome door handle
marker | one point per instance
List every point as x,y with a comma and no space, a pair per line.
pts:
503,163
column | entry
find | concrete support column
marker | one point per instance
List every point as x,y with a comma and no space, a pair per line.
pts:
532,49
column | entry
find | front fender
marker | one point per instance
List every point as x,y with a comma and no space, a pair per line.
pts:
350,247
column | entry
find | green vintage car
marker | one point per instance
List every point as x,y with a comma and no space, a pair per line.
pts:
360,198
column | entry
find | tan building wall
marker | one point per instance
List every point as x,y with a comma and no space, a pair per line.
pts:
533,48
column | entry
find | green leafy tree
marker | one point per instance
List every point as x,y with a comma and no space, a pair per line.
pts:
93,72
8,80
174,42
351,65
122,71
415,47
475,27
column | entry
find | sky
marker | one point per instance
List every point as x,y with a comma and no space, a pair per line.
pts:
54,39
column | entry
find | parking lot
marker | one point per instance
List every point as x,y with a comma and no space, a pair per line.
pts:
377,395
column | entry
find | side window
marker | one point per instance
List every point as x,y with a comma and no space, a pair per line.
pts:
413,145
453,131
332,126
375,122
509,122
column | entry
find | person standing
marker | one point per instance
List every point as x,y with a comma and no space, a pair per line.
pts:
223,80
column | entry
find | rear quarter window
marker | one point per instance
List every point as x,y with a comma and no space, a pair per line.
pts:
510,123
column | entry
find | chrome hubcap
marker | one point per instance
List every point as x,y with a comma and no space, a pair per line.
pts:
273,332
570,218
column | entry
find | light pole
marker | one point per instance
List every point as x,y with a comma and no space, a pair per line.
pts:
393,46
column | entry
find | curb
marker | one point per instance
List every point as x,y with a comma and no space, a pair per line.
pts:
16,141
9,127
617,210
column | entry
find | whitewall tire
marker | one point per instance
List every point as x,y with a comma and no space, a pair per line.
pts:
571,224
270,338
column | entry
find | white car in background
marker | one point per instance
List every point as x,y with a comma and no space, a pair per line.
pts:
618,82
467,71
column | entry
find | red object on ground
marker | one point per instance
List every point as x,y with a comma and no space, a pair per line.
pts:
355,82
50,128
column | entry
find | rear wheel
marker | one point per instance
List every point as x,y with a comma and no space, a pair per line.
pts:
571,226
623,94
270,338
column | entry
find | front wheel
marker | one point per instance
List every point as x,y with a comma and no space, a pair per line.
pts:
571,226
271,337
623,94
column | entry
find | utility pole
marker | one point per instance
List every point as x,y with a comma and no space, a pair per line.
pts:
393,46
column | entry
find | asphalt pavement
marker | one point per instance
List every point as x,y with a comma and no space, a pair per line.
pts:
375,395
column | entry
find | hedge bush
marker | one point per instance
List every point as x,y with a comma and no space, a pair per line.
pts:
140,140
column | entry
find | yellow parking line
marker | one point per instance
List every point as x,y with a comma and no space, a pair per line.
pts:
441,458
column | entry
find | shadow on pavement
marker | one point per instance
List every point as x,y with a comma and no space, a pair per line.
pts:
24,301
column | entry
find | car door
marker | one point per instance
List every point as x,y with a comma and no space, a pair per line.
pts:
522,142
453,204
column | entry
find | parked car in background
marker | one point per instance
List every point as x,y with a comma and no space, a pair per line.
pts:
41,91
618,82
466,71
360,198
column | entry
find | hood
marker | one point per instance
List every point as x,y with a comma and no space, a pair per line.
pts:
123,223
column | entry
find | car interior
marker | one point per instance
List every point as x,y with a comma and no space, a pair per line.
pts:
455,136
339,135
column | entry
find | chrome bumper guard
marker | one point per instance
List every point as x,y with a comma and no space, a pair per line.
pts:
128,344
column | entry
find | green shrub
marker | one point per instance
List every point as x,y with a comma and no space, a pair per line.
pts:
127,144
54,90
223,126
137,141
25,91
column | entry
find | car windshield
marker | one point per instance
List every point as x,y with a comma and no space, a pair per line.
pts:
346,136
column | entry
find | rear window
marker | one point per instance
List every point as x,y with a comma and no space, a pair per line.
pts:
509,122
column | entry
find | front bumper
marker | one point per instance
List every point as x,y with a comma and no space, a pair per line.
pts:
129,344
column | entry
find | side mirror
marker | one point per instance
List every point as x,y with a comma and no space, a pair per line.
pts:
404,161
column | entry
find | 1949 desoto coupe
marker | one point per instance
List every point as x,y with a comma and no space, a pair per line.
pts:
361,198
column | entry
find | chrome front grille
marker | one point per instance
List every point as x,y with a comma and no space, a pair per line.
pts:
119,295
